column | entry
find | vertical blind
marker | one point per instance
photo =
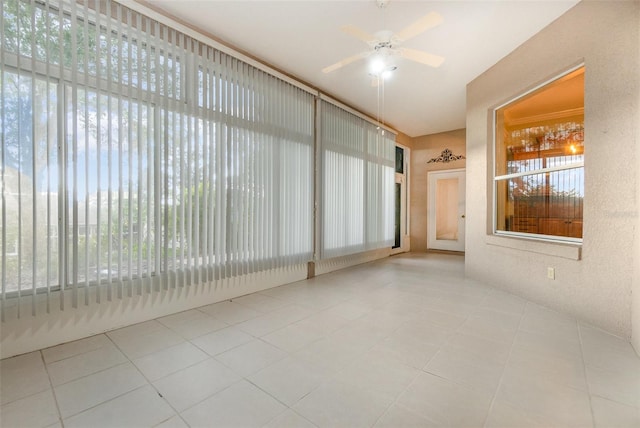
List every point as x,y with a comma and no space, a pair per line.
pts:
358,160
136,159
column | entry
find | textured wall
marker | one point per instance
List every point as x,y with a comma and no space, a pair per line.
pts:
635,303
422,150
597,288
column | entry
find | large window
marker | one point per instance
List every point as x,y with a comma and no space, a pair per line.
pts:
539,161
137,158
358,162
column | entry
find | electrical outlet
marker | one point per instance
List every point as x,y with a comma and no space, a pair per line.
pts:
551,273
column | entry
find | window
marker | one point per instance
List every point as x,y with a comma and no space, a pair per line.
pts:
539,161
137,158
358,162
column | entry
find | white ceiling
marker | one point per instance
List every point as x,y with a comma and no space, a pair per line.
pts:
302,37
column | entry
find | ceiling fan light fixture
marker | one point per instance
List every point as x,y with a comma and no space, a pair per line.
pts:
377,66
387,72
383,73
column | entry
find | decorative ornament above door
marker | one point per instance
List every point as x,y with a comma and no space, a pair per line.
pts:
446,156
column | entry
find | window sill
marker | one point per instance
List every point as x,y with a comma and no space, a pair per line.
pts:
571,251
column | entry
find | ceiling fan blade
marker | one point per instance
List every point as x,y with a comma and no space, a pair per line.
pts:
356,32
421,57
421,25
345,61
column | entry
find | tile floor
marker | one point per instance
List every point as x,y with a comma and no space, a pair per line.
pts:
402,342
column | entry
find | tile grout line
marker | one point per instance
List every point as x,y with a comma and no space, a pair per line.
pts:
149,383
513,343
584,370
52,389
419,370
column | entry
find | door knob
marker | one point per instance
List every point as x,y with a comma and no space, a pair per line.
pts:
463,216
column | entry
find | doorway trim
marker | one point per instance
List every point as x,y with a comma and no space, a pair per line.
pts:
457,245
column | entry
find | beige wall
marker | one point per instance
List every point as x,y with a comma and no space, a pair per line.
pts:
597,288
422,150
635,303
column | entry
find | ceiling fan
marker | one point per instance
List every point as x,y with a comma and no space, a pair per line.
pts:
386,44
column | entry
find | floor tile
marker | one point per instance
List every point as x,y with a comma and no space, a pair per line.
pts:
481,347
323,322
63,371
382,321
546,345
275,320
136,345
538,319
360,334
81,394
530,363
293,337
317,299
329,354
503,415
406,304
402,342
35,411
501,301
449,296
284,292
261,302
77,347
162,363
376,299
444,320
615,385
136,330
140,408
405,350
230,312
193,323
222,340
422,332
608,352
399,417
189,386
348,310
453,306
609,414
378,373
478,373
252,356
241,405
336,404
288,380
290,419
173,422
492,325
445,402
551,403
22,376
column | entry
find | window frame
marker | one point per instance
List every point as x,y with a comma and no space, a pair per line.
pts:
496,179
